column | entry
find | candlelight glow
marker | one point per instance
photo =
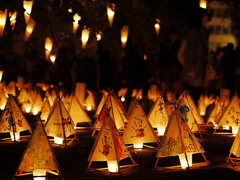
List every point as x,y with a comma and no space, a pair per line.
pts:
225,127
89,108
48,47
185,163
112,166
157,28
17,136
76,19
99,35
235,130
39,172
203,4
35,112
122,99
1,74
29,29
58,140
110,14
161,131
3,18
124,35
202,113
138,146
85,37
13,17
70,10
53,58
2,107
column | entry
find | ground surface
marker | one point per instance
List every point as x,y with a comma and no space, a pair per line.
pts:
73,161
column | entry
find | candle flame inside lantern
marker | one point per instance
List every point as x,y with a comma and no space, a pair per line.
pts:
185,160
112,166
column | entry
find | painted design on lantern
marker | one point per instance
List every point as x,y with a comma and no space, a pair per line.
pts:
107,145
171,146
18,116
162,118
38,155
233,116
8,116
139,129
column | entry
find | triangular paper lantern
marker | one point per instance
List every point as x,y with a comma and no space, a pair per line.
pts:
89,101
117,117
22,96
120,107
12,120
193,108
38,154
188,115
230,116
178,138
108,146
45,109
77,113
139,130
37,104
158,116
59,123
100,105
215,112
235,149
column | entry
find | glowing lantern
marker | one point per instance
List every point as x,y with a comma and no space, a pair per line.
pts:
29,29
48,47
124,35
110,14
113,166
138,146
203,4
53,58
28,109
157,28
12,19
70,10
1,74
27,5
58,140
185,160
3,17
85,37
39,173
122,99
15,136
235,130
225,127
76,19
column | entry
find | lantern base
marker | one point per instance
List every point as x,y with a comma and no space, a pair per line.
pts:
39,172
17,136
138,146
235,130
113,166
58,140
185,160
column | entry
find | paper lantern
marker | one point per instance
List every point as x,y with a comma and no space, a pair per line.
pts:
37,173
110,14
3,17
48,47
53,58
112,166
124,35
27,5
76,19
85,37
203,4
29,29
185,160
58,140
99,35
157,28
235,130
13,18
15,136
138,146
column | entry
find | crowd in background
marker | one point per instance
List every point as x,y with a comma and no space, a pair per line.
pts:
137,69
